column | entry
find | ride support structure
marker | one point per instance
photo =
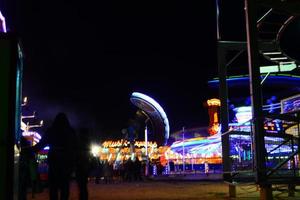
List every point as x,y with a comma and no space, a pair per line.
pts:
260,40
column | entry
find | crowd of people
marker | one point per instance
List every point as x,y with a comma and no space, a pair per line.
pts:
113,172
69,153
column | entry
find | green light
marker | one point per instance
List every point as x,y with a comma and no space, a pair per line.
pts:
287,67
268,69
278,68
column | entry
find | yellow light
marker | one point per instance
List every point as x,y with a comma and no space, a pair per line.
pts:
25,100
95,150
216,120
213,102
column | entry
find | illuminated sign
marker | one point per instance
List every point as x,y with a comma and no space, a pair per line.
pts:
126,143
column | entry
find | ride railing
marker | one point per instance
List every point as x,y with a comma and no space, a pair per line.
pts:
282,157
281,148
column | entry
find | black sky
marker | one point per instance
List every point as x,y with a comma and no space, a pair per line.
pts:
86,58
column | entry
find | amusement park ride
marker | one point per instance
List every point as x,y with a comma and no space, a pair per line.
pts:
261,145
26,128
263,37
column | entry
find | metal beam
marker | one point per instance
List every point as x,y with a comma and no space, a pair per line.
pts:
232,45
223,95
255,91
8,114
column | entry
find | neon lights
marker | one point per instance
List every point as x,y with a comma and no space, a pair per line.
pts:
23,126
213,102
157,107
95,149
210,148
290,104
25,101
125,143
277,77
46,148
32,133
213,106
243,114
201,147
3,24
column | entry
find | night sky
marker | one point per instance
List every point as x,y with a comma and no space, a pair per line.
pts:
87,57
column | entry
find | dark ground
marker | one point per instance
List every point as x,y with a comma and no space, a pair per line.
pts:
167,190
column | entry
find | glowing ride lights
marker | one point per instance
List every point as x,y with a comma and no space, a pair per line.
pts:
32,134
213,102
95,150
149,105
125,143
25,101
3,24
290,104
213,109
117,151
243,114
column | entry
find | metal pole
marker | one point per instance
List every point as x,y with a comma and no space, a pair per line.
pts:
146,146
223,95
256,99
192,161
183,157
8,114
218,19
255,89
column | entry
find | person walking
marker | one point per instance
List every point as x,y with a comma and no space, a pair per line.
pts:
83,164
62,141
24,168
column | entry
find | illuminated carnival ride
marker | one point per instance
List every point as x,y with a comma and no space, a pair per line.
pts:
194,147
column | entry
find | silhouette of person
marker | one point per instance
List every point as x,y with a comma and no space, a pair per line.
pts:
137,169
62,141
83,163
24,168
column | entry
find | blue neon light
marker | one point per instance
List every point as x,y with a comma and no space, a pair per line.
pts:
47,148
272,77
158,108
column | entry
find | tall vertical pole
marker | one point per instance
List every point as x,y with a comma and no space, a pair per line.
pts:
146,152
183,156
218,19
223,95
8,113
256,99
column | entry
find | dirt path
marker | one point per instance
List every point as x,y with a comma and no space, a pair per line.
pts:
153,190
